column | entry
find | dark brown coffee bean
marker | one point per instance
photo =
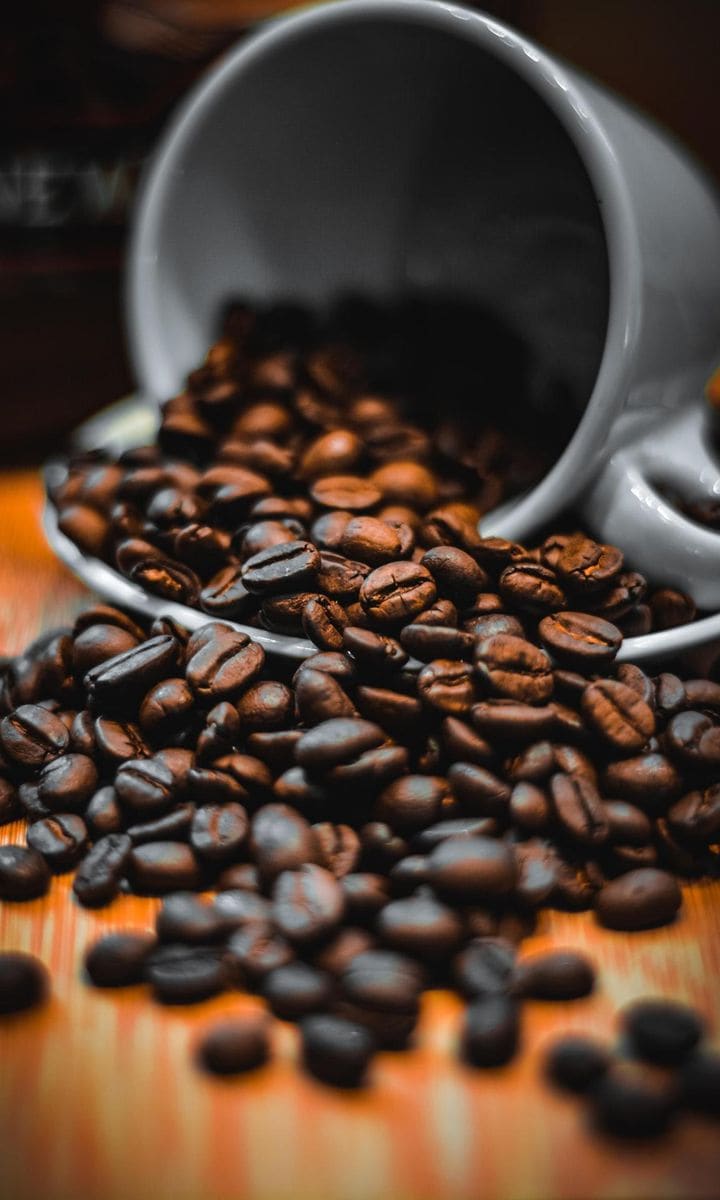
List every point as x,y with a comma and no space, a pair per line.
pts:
414,801
579,638
185,974
119,683
221,662
479,790
319,697
558,975
31,736
336,954
185,917
375,653
324,621
281,569
225,595
365,894
145,786
119,741
399,714
579,809
236,1045
514,668
337,848
693,738
397,592
118,959
307,904
218,831
632,1100
702,694
375,542
283,614
24,982
97,879
529,807
513,720
442,612
335,1050
166,708
280,840
237,908
265,705
85,526
586,565
201,547
155,868
471,869
24,874
340,578
699,1080
618,714
348,492
668,694
463,743
454,827
383,981
456,573
447,527
697,815
337,742
61,839
490,1032
627,824
531,588
428,642
670,608
9,806
484,967
420,926
104,814
274,748
447,686
99,642
576,1062
297,989
646,778
639,900
492,625
662,1031
539,871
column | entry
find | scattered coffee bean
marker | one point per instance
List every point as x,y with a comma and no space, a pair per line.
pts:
335,1050
118,959
576,1062
24,982
662,1031
234,1046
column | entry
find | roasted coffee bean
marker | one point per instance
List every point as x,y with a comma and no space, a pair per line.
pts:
697,815
585,565
24,982
374,542
66,783
337,848
336,742
618,714
280,569
485,967
479,790
61,839
662,1031
529,807
159,867
221,662
514,668
670,607
145,786
119,741
579,809
118,959
280,840
31,806
558,975
370,771
580,639
236,1045
340,578
9,806
172,580
97,879
702,693
699,1079
320,698
236,908
335,1050
350,493
225,595
470,869
492,625
457,574
420,926
406,482
119,683
632,1100
254,950
400,715
407,875
639,900
531,587
335,955
166,709
693,738
184,917
324,621
383,981
376,653
576,1062
185,974
297,989
307,903
627,824
265,705
85,526
97,643
201,547
414,801
104,814
24,874
82,734
442,612
455,827
31,736
447,686
395,593
647,779
365,894
283,614
218,831
490,1032
513,720
428,642
461,743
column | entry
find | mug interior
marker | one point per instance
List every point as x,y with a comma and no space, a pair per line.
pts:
381,154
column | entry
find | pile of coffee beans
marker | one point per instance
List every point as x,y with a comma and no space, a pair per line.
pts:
291,488
659,1068
367,831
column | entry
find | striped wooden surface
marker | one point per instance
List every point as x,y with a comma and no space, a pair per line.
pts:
100,1098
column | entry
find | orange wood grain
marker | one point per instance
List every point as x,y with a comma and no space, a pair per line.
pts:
100,1098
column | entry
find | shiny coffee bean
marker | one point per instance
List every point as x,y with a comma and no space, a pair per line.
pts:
457,574
470,869
184,917
640,899
447,687
225,595
118,684
414,801
393,594
375,653
297,989
31,736
576,1062
221,662
662,1031
693,739
307,904
24,982
429,642
65,784
335,1050
155,868
119,959
490,1032
514,668
236,1045
145,786
185,974
632,1100
280,840
166,709
218,831
420,926
254,950
697,815
579,639
24,874
480,791
336,742
578,809
558,975
288,567
618,714
61,839
97,879
485,967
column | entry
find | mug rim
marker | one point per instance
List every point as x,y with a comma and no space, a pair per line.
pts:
555,85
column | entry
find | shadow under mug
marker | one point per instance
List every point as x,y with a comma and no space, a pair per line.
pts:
389,147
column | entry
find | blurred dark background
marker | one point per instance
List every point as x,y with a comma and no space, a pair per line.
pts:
85,88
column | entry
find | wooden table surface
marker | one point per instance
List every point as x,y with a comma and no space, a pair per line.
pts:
100,1099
